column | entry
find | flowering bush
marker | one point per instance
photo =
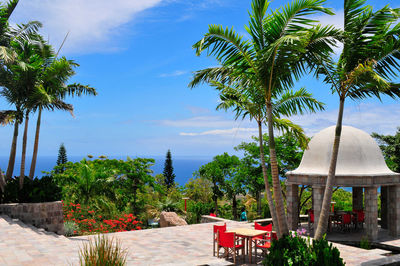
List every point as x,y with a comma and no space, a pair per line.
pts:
90,223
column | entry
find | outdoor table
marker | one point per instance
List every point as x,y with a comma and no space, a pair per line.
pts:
248,234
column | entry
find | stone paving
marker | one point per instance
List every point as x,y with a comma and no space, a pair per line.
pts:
22,244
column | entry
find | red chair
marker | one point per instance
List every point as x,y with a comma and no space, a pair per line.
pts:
217,228
345,221
228,241
359,217
264,244
258,226
310,219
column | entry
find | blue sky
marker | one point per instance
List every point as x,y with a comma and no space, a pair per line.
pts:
138,55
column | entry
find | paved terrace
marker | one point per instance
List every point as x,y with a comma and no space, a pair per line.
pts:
22,244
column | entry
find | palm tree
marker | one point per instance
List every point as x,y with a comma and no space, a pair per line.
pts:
369,59
275,56
51,92
247,101
7,55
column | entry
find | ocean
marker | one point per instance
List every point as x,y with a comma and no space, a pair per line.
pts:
184,167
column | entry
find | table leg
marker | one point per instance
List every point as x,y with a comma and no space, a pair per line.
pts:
251,243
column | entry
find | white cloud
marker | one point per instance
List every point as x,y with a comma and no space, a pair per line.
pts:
242,132
93,24
201,122
173,74
383,119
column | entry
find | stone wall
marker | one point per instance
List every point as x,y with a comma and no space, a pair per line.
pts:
46,215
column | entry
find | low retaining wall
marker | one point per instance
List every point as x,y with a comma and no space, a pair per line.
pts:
212,219
46,215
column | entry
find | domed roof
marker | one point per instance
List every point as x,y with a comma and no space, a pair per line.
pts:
359,154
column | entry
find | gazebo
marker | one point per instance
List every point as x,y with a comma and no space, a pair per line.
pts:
361,166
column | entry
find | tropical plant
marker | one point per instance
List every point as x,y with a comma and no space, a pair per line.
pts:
233,181
294,250
271,60
390,146
367,63
51,90
213,172
102,251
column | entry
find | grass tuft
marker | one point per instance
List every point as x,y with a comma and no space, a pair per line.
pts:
102,251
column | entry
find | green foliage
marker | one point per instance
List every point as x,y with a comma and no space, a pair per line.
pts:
364,243
62,157
390,146
169,171
196,209
102,251
169,205
288,250
294,250
70,228
111,185
198,189
44,189
323,253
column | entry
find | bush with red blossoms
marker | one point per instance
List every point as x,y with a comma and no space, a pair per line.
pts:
90,223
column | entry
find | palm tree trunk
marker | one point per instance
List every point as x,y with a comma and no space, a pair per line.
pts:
258,197
24,140
11,160
234,207
36,145
280,208
330,180
270,200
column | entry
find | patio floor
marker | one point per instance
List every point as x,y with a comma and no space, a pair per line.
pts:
22,244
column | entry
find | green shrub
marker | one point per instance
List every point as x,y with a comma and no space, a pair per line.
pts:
288,250
196,209
102,251
364,243
36,190
294,250
325,254
70,228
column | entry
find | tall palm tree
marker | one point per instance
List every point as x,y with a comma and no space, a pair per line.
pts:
51,92
369,59
275,56
247,102
7,55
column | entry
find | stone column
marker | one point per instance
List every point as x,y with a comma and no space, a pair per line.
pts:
318,195
358,198
292,199
393,214
384,207
371,213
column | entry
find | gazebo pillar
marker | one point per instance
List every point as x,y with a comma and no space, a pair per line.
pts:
371,213
384,206
358,198
318,195
394,210
292,199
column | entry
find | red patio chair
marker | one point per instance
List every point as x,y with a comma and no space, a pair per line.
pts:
258,226
310,218
345,221
228,241
264,244
217,228
359,217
